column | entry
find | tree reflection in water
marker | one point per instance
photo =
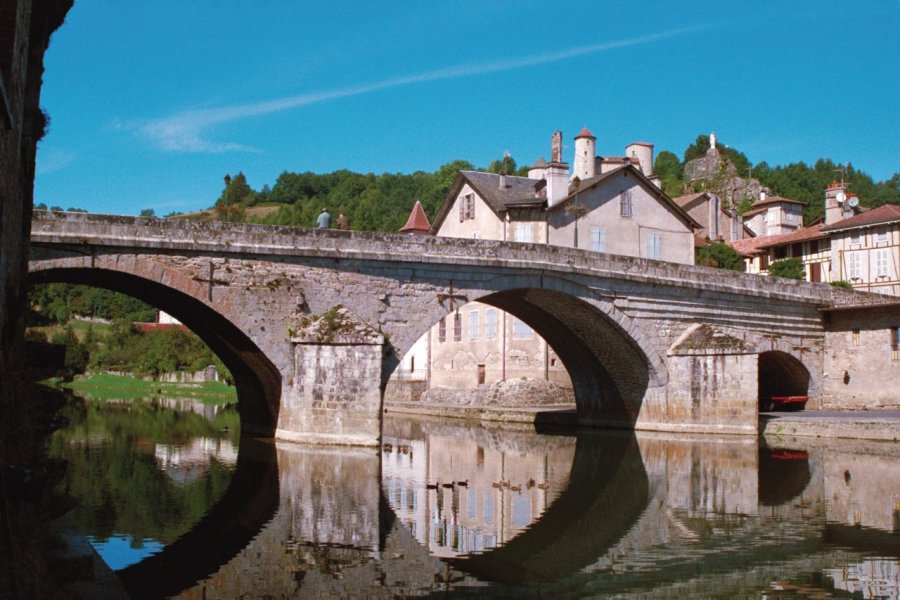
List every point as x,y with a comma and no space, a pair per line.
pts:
586,514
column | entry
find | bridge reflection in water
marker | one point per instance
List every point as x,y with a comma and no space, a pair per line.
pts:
467,509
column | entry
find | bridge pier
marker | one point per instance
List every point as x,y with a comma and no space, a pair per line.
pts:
334,396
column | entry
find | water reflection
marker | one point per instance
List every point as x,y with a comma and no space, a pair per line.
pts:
467,488
143,473
472,510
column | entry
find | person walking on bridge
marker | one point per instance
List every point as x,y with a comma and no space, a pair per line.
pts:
324,220
343,222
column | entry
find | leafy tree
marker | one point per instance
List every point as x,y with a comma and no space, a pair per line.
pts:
789,268
698,148
147,212
235,198
40,206
506,165
77,355
670,172
720,255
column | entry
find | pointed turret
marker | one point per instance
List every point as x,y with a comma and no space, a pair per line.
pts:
417,221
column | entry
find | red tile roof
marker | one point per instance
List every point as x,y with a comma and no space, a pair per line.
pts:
585,133
886,213
418,220
751,246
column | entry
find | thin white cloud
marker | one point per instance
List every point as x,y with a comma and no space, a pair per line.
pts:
50,160
184,132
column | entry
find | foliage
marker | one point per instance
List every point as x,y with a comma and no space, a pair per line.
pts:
670,172
154,352
506,165
60,302
372,202
118,482
77,353
105,386
790,268
697,149
720,255
800,181
840,283
147,212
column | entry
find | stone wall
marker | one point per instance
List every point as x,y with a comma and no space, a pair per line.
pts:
861,367
244,288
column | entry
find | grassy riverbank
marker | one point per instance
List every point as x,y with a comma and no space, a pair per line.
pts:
108,386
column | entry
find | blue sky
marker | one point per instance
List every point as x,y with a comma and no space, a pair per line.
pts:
152,103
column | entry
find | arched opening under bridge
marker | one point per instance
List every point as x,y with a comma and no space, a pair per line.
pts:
781,375
257,380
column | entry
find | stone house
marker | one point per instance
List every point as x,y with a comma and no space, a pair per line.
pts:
850,244
605,204
865,249
774,215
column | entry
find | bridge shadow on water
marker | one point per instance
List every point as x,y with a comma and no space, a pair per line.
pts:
326,506
248,504
608,491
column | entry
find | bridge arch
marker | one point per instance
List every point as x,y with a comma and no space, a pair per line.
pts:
781,374
612,361
257,380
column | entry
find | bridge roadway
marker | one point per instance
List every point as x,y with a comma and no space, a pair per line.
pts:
648,344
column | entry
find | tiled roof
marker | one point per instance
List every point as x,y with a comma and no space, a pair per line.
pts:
540,163
751,246
585,133
418,220
886,213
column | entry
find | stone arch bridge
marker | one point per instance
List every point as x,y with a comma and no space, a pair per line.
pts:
648,344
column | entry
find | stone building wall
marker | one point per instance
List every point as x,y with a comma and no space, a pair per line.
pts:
861,366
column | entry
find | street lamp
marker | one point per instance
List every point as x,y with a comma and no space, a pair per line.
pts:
227,183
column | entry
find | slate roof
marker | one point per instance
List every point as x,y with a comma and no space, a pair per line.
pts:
886,213
518,190
587,184
683,201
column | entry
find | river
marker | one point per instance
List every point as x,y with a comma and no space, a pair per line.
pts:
459,509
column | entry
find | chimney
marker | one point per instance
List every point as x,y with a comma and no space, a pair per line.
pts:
557,173
502,181
835,199
762,196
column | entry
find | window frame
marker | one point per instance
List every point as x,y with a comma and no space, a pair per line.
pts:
626,204
654,246
598,239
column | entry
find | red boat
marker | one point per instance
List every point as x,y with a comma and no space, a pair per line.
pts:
786,403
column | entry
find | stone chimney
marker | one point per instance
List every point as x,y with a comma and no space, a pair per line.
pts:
835,200
557,173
